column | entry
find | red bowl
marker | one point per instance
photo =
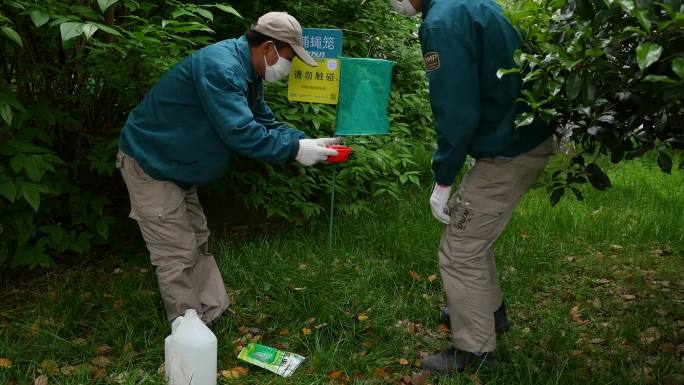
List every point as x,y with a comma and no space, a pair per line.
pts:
342,154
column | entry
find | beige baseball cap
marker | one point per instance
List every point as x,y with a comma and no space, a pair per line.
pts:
284,27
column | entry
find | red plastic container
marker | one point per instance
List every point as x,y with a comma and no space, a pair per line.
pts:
342,154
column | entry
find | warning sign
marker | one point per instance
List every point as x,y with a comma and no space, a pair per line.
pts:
315,84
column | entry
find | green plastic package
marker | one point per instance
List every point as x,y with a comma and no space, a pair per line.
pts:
274,360
365,86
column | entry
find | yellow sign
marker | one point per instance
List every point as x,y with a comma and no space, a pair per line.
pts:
315,84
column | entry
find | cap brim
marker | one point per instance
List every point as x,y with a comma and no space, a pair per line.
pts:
302,54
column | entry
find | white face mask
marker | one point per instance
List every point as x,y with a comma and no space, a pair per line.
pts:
277,71
403,7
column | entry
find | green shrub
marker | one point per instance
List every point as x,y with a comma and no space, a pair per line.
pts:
73,70
610,75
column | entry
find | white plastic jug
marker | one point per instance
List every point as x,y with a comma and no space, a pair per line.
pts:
190,352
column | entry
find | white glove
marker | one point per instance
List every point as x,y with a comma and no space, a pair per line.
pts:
438,203
312,151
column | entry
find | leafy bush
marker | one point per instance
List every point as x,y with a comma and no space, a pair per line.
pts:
72,71
610,75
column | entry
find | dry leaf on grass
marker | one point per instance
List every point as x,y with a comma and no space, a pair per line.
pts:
335,374
577,316
100,361
306,331
379,373
475,379
49,367
650,335
403,361
415,276
311,320
238,371
628,297
103,350
284,332
5,363
432,278
41,380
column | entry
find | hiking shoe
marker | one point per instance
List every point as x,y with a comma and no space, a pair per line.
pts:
501,322
454,360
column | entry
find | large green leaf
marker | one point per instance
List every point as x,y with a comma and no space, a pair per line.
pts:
6,113
13,35
206,13
228,9
573,85
31,194
39,17
678,67
648,54
105,4
108,29
70,30
8,190
89,30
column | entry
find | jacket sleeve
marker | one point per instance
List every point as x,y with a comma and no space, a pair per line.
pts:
453,74
227,107
264,115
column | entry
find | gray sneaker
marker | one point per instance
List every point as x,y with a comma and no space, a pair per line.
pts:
501,322
454,360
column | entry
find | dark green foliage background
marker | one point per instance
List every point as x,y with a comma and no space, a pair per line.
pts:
72,70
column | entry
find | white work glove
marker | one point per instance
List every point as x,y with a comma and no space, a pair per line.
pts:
312,151
438,203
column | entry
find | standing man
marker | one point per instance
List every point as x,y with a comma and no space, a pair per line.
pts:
207,107
465,43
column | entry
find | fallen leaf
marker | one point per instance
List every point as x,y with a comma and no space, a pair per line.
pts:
238,371
362,317
49,367
420,378
320,326
524,235
628,297
303,266
41,380
335,374
650,335
570,258
414,275
104,349
444,328
475,379
5,363
379,373
100,361
306,331
403,361
432,278
69,370
616,247
311,320
99,373
284,332
576,316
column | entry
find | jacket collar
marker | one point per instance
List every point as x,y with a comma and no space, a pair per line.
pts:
245,57
426,8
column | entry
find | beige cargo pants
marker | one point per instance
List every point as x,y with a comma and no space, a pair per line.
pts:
174,228
480,211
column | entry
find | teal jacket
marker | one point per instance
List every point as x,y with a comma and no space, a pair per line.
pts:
465,43
207,107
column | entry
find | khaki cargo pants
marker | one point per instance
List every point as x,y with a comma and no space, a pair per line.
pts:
174,228
480,211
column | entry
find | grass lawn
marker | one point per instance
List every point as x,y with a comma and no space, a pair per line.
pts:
595,291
